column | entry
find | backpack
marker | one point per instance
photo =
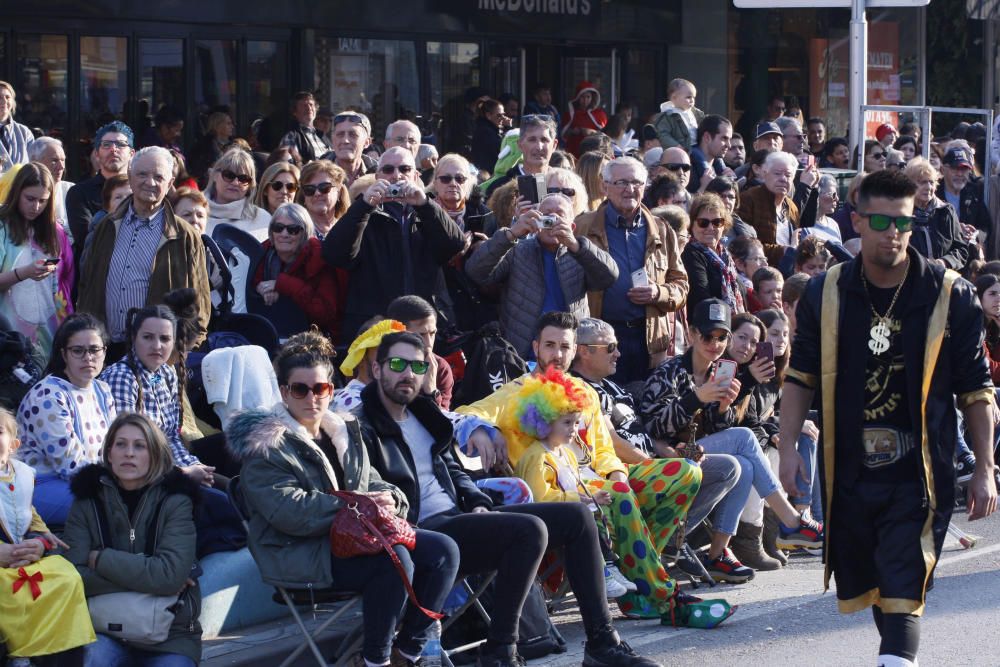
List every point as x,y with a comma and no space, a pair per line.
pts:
491,363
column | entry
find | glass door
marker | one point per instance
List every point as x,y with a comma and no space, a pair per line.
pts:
597,66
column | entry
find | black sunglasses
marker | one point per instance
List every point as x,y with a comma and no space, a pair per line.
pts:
350,117
448,178
322,188
675,166
569,192
609,347
230,176
278,186
715,222
294,230
391,168
300,389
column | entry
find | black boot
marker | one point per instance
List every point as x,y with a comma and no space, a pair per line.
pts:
748,548
770,536
499,656
606,649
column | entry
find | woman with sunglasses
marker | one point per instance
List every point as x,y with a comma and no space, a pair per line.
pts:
690,403
452,185
64,417
230,194
711,271
875,157
559,180
937,234
293,269
323,192
278,185
292,454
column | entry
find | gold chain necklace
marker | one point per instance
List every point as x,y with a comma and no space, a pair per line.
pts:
878,341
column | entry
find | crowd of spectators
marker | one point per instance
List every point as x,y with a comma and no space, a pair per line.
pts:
644,270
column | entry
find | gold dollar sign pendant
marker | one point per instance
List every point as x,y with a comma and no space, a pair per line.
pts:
879,341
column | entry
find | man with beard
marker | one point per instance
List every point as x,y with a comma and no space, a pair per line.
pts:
888,391
662,489
113,144
409,442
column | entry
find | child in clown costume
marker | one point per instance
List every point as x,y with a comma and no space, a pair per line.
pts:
43,611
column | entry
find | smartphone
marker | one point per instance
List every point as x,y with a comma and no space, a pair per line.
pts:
765,350
51,261
528,189
639,278
725,369
806,161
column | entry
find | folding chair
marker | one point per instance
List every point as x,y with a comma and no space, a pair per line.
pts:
471,602
316,599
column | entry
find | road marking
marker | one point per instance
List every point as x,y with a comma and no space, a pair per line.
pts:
969,554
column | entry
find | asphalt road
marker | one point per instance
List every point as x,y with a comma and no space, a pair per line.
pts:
785,619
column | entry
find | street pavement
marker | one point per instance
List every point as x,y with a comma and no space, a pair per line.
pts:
785,619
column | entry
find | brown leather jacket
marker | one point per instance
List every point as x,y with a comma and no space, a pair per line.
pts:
757,209
664,268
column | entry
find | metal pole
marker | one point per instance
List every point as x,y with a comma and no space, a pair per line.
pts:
859,76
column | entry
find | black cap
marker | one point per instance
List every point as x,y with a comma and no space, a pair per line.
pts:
957,156
712,314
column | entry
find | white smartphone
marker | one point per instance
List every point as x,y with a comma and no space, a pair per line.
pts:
639,278
725,369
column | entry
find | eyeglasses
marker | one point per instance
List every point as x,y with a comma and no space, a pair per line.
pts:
120,145
406,140
322,188
880,223
294,230
675,166
391,168
278,186
800,137
609,347
448,178
622,183
569,192
300,389
703,223
708,338
877,156
230,176
81,351
398,365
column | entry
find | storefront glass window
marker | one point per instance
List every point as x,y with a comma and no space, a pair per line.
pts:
103,83
375,76
454,66
505,71
214,78
639,84
595,69
161,74
41,83
268,95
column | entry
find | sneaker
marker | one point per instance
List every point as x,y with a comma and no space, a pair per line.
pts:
613,587
727,569
964,468
617,575
610,651
808,535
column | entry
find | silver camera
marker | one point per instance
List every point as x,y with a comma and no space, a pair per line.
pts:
547,221
394,191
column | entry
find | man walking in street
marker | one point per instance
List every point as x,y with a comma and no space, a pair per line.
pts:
888,393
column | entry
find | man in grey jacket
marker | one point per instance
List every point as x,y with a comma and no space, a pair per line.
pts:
541,266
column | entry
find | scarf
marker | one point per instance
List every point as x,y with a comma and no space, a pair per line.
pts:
730,278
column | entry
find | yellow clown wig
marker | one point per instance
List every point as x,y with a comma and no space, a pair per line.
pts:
541,401
368,340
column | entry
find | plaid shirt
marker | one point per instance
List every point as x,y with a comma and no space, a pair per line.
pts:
159,400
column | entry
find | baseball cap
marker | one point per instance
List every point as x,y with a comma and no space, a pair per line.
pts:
764,129
652,157
354,117
712,314
957,156
883,130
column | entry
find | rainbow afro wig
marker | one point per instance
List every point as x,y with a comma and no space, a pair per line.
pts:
542,400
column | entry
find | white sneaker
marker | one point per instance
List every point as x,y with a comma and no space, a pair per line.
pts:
612,586
621,578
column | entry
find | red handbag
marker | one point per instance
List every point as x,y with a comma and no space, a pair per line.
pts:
364,528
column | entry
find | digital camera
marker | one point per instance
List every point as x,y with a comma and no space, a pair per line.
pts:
395,191
547,221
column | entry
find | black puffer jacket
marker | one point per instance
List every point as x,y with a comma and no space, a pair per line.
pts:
937,234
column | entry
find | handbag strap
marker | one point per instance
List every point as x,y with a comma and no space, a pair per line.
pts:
395,561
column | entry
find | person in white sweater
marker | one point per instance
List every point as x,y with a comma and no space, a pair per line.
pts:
230,195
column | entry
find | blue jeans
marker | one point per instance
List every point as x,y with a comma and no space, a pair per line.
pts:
755,473
52,499
719,474
108,652
809,491
431,566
